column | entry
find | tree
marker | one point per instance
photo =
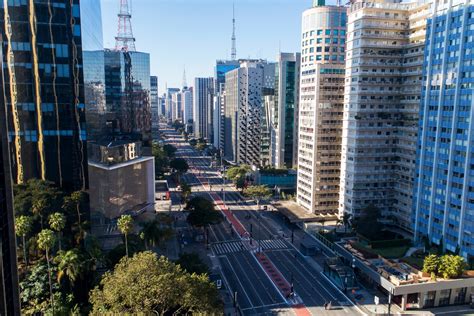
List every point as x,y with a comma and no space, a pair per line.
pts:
169,150
46,242
180,166
76,201
201,146
23,226
367,223
185,190
192,263
193,142
57,221
152,233
69,265
146,284
258,193
451,266
161,160
431,265
39,208
202,212
125,225
237,172
346,220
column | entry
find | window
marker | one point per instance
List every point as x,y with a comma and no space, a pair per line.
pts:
319,32
328,32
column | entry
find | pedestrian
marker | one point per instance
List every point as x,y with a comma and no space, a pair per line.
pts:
325,305
329,305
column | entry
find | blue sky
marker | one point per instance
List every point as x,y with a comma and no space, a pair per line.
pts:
194,33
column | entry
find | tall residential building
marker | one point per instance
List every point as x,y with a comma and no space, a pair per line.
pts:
169,102
127,92
9,290
155,111
162,105
385,47
444,188
323,39
187,100
221,68
177,106
284,115
244,97
202,107
43,91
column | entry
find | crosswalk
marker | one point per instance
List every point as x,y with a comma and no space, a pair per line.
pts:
237,246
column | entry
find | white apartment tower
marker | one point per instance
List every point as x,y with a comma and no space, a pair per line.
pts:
385,46
320,108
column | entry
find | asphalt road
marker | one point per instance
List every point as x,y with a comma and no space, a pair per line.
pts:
256,293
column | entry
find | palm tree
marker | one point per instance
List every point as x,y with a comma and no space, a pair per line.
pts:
57,221
346,220
153,234
46,242
69,264
77,199
39,206
125,224
23,226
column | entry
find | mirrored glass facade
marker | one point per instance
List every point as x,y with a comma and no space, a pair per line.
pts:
44,91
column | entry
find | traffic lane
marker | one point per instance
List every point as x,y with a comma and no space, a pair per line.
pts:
235,284
311,278
256,280
302,283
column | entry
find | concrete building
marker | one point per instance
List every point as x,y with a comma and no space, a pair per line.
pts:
443,195
383,80
169,103
320,108
203,92
284,114
187,101
244,96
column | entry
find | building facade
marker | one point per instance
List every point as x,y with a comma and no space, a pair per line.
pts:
44,92
244,98
444,188
9,290
155,111
221,68
320,108
177,106
203,92
284,115
383,80
127,92
187,100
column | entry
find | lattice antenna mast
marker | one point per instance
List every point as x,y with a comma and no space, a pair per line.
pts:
124,39
233,53
185,84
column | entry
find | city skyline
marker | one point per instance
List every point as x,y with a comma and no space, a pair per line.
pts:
215,29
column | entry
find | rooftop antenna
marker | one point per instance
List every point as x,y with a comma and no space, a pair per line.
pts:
124,39
233,53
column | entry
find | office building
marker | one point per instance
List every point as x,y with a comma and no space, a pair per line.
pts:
444,188
284,114
170,109
245,88
127,92
154,103
43,91
382,93
320,108
177,106
203,93
221,68
162,105
9,290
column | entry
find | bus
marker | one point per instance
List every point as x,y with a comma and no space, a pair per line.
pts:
162,191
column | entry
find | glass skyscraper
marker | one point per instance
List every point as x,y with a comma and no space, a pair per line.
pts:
44,92
444,184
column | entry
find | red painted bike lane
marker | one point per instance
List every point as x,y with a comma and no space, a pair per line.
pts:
272,272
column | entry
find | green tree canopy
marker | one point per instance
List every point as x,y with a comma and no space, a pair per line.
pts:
169,150
258,192
431,265
237,173
185,190
161,160
179,164
193,142
192,263
367,223
451,266
145,284
202,212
